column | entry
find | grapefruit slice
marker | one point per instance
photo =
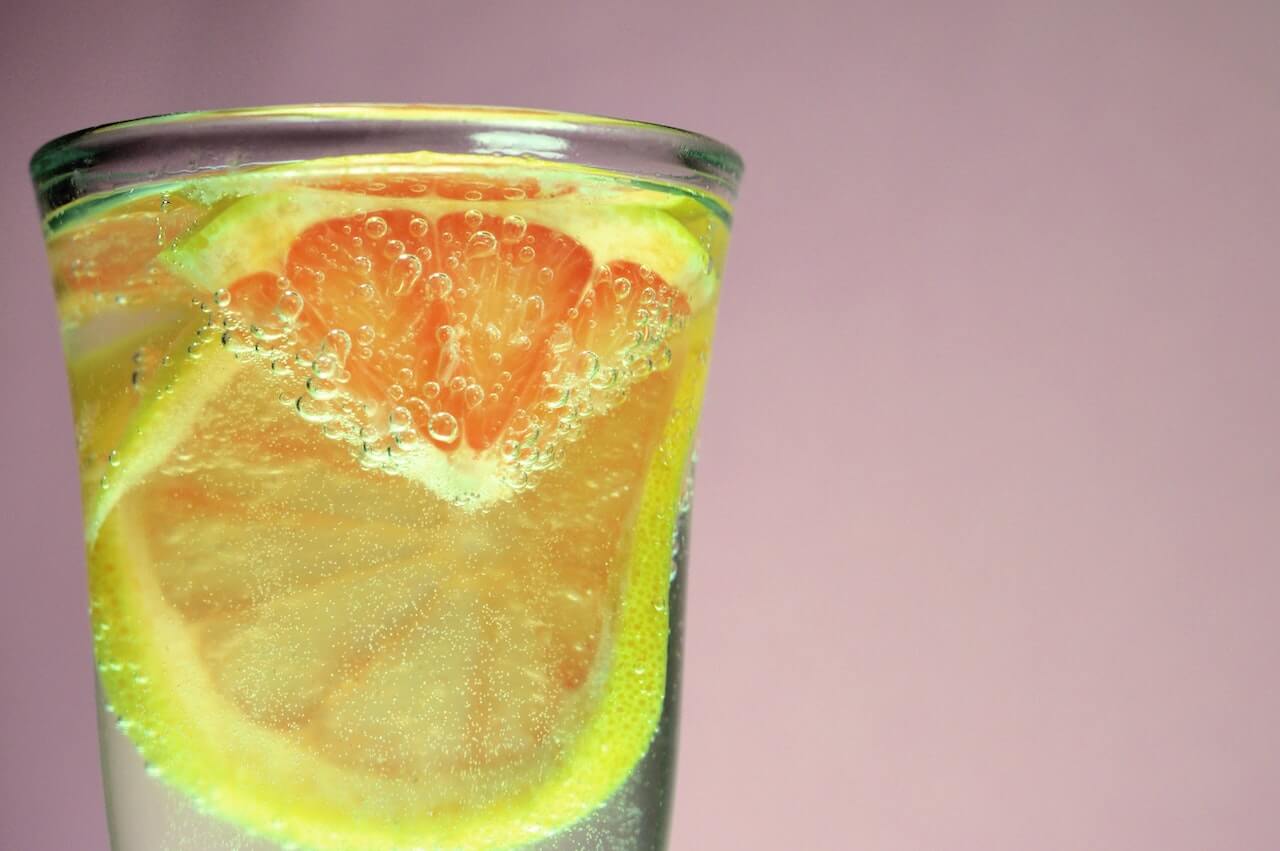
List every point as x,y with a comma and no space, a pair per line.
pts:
337,622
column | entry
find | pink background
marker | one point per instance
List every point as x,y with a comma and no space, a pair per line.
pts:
987,553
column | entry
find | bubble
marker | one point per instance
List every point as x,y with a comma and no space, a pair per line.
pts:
418,226
561,339
473,218
648,295
473,195
492,332
362,264
325,366
439,284
513,193
443,427
604,378
534,307
526,254
621,287
311,410
375,227
445,333
321,388
113,458
365,335
457,384
222,298
510,449
400,419
404,274
431,389
481,244
289,306
589,363
513,228
546,275
556,396
396,392
473,395
366,291
393,248
337,343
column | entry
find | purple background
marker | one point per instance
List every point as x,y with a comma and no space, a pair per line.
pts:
986,552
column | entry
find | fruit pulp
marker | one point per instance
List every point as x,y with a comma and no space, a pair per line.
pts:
384,465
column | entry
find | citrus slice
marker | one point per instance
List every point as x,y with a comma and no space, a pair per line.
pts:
109,256
338,623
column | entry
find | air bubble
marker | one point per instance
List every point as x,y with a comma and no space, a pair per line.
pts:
375,227
546,275
366,291
439,285
443,427
311,410
513,228
431,389
222,298
534,307
325,366
473,395
621,287
321,388
400,419
513,193
405,272
473,218
418,226
289,306
481,244
337,343
457,384
526,254
365,335
393,248
363,264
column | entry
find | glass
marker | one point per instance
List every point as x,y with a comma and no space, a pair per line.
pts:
385,419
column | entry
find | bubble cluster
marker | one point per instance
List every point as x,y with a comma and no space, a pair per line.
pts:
473,332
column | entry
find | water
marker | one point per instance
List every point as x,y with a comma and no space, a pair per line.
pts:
386,502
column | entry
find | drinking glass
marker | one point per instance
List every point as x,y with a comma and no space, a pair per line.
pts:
385,419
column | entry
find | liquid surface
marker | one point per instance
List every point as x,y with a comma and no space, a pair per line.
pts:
383,465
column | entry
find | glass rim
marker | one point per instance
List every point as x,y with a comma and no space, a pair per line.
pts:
186,144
